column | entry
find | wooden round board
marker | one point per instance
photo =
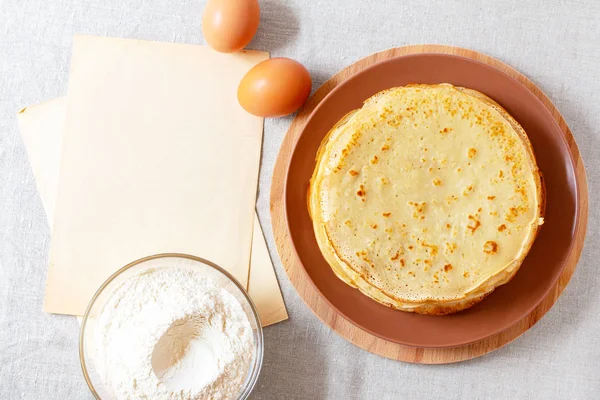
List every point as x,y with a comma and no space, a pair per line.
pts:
329,315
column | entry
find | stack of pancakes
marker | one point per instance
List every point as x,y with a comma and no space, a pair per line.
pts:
427,198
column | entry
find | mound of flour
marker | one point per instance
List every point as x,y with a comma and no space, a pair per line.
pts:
172,333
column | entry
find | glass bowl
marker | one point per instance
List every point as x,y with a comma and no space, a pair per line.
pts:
172,260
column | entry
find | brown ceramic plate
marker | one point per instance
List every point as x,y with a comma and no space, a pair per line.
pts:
542,267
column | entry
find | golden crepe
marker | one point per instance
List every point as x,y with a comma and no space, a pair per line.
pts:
427,198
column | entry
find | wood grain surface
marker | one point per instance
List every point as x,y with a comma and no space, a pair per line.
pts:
326,313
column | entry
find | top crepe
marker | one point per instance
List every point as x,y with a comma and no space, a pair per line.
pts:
427,198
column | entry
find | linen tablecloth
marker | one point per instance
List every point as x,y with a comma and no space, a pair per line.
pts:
555,43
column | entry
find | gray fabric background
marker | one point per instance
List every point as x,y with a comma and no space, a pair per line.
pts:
555,43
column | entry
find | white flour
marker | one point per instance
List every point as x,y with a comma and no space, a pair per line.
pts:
172,333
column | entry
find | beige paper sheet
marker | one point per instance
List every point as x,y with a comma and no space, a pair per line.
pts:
42,128
262,285
157,157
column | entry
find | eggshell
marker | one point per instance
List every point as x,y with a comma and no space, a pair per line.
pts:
229,25
274,87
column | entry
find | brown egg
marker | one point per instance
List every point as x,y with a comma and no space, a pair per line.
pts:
274,87
229,25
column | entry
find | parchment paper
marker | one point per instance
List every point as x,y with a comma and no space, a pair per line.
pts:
157,157
42,129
